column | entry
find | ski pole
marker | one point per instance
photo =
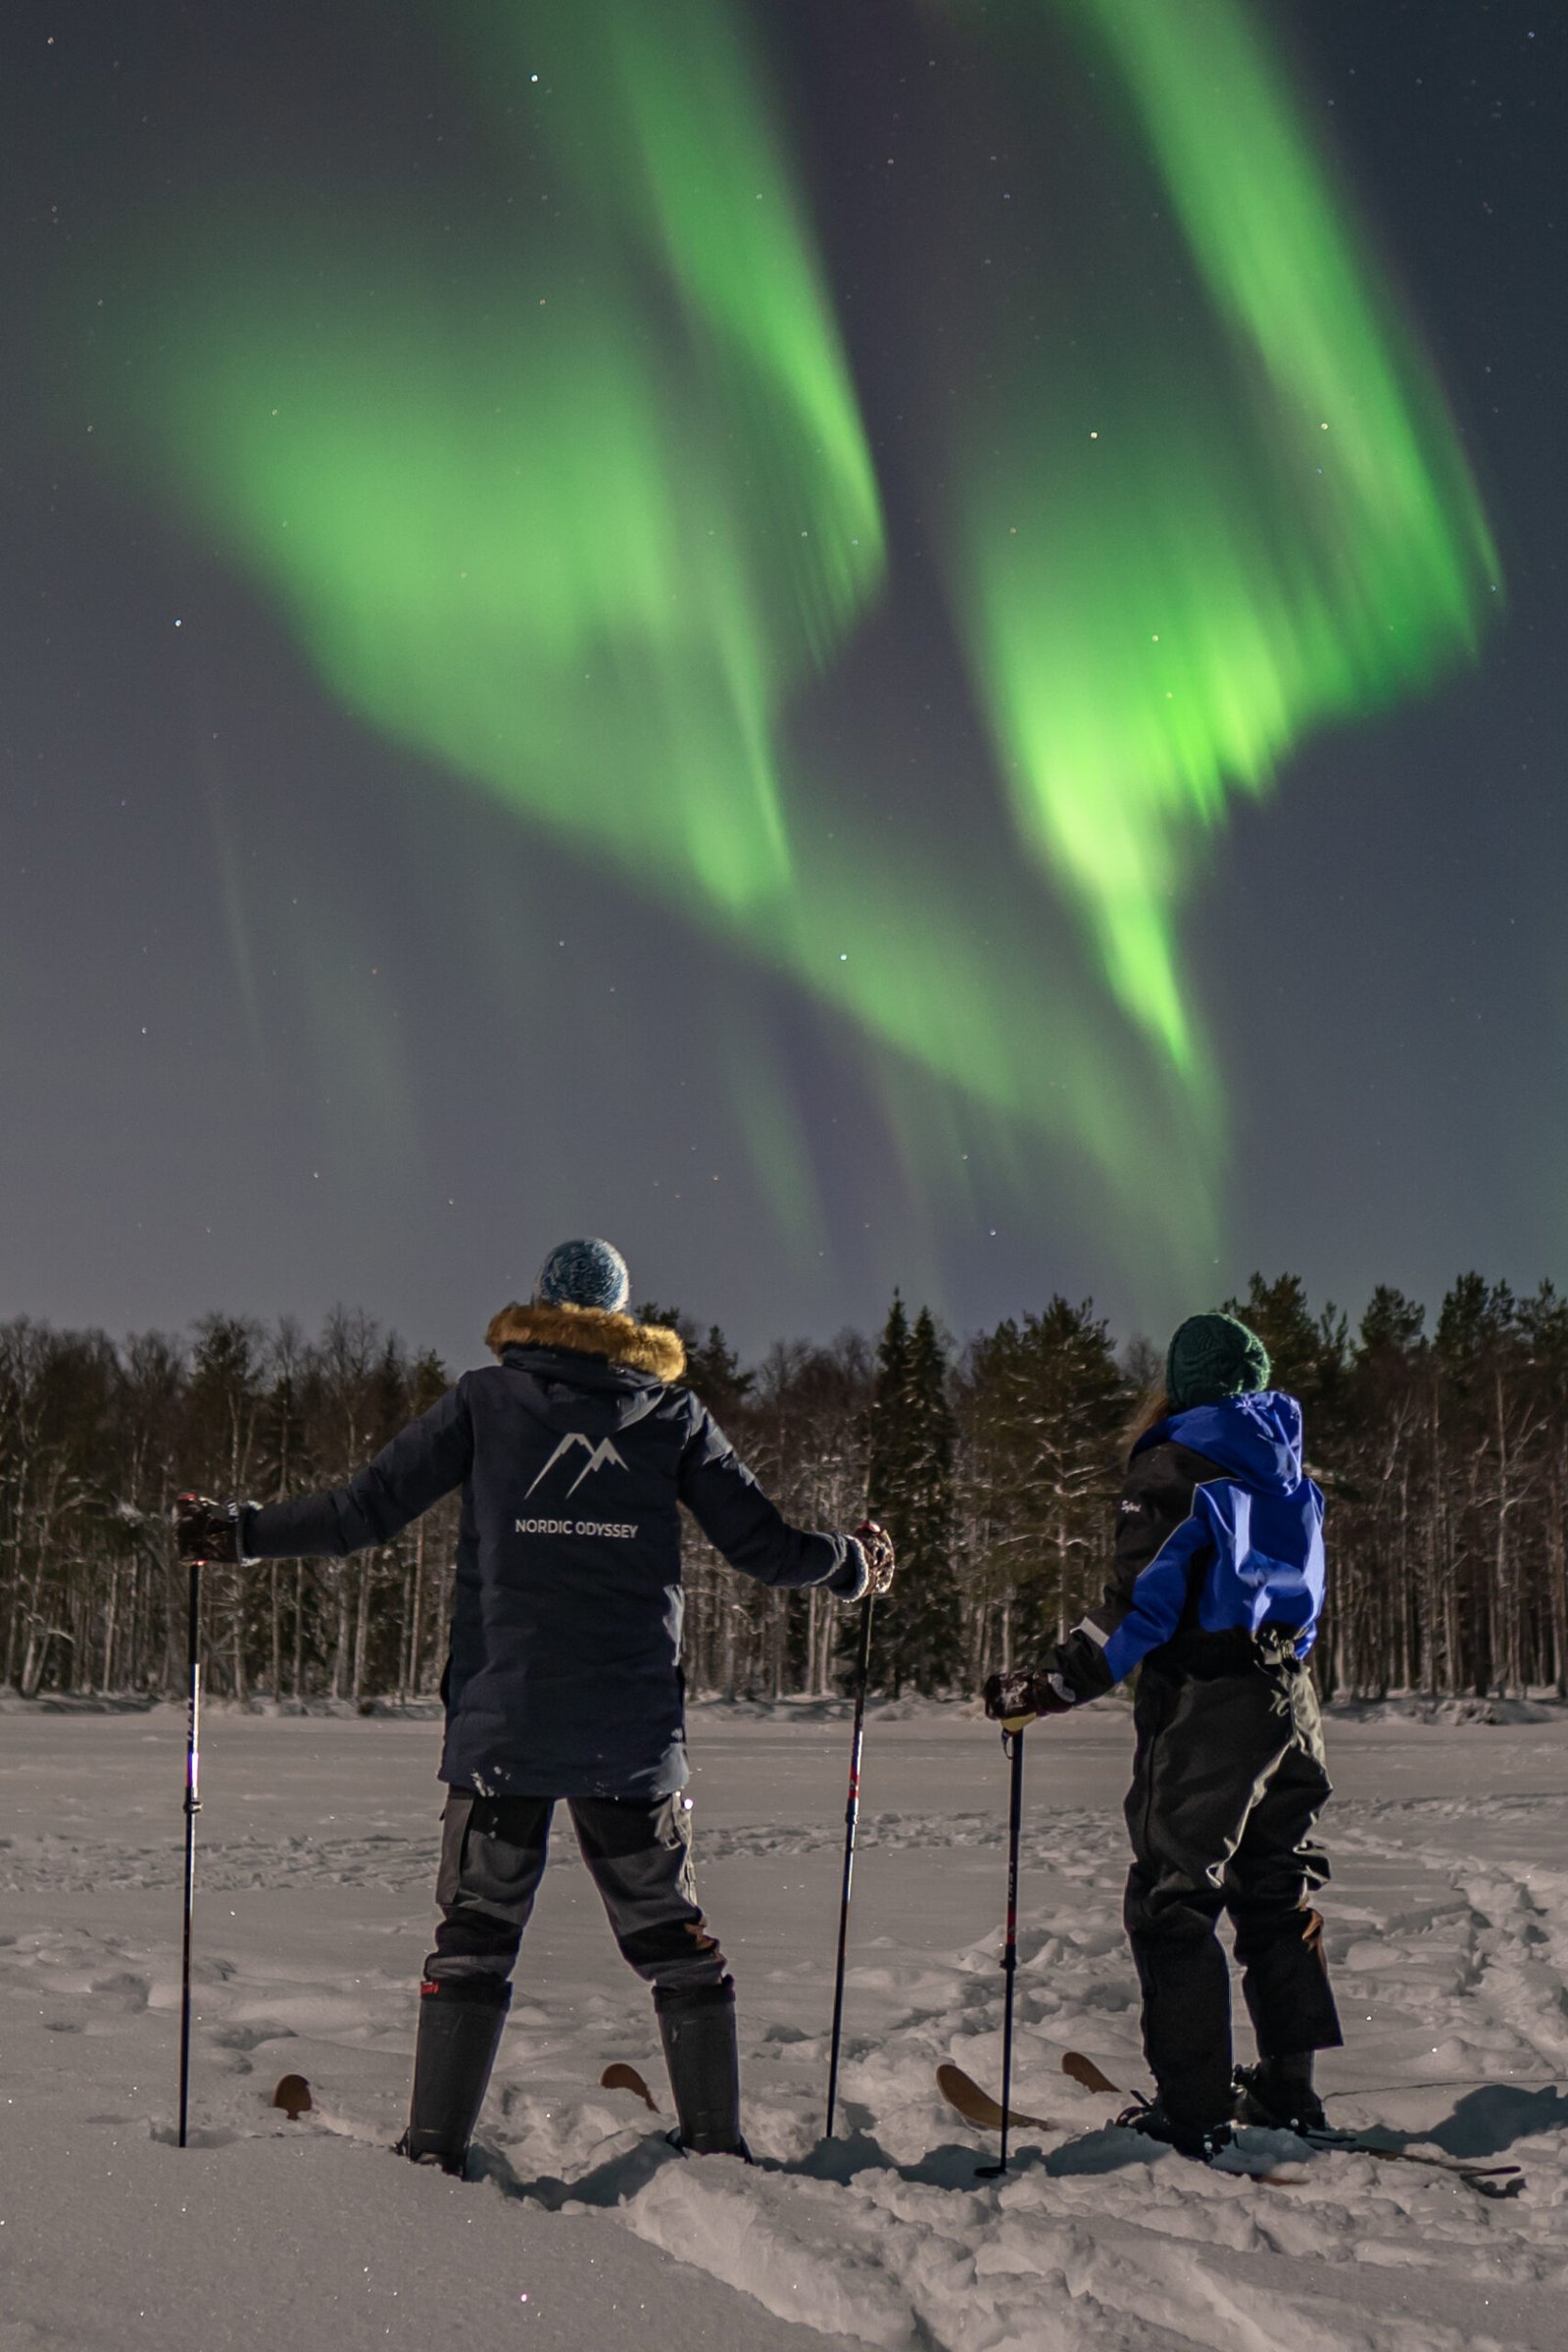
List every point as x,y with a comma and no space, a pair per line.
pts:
851,1815
193,1805
1012,1745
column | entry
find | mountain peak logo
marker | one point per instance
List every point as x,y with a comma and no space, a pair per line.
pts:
600,1457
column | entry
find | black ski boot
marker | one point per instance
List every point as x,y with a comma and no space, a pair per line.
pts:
1277,2093
697,2031
1201,2141
460,2032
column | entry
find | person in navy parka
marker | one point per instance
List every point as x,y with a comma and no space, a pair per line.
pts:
1215,1595
574,1455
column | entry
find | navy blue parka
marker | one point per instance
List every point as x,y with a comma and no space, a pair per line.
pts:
572,1453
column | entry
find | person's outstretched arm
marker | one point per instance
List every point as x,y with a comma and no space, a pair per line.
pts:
751,1532
423,1461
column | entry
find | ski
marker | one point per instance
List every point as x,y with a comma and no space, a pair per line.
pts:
619,2076
976,2106
1087,2075
293,2095
1486,2179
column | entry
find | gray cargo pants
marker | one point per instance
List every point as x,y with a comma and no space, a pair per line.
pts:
1228,1782
639,1854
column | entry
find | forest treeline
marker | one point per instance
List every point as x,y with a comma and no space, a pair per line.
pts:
1443,1454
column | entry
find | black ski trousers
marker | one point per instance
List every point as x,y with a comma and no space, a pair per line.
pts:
1228,1782
639,1854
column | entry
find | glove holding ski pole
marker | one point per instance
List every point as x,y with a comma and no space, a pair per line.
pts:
876,1549
1017,1696
208,1533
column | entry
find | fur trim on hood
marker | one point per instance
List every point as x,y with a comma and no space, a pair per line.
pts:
591,1331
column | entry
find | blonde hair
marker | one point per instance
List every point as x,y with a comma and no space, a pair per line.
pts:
1152,1408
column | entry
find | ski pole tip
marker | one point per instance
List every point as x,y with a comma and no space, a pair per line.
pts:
293,2095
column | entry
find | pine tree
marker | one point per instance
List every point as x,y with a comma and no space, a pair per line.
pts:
887,1466
910,1488
926,1624
1042,1401
1309,1354
886,1478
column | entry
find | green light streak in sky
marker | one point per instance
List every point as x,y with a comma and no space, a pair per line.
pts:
581,515
1185,539
659,113
581,508
580,525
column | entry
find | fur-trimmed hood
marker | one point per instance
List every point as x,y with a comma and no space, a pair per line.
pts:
590,1331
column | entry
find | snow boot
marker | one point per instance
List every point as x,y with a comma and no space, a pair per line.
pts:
1277,2093
697,2031
460,2032
1201,2141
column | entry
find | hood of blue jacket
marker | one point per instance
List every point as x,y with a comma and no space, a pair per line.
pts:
1256,1438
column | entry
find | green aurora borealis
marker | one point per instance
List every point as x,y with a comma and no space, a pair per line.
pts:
586,514
1182,541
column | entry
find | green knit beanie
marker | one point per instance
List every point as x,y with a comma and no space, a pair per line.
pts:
1212,1356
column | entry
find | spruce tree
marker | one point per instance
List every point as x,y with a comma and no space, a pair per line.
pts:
885,1481
1043,1401
926,1624
887,1465
1308,1354
909,1485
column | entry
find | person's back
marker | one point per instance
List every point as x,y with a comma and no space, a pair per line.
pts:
566,1633
1219,1532
1214,1597
565,1636
574,1455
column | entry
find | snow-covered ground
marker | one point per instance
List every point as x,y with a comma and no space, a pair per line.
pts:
1448,1928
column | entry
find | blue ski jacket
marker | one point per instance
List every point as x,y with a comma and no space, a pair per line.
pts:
1219,1532
574,1455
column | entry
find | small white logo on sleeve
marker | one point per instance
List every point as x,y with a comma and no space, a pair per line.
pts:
600,1457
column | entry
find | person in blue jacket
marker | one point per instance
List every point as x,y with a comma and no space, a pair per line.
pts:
574,1454
1214,1597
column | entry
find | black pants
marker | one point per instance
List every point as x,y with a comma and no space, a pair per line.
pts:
638,1851
1228,1783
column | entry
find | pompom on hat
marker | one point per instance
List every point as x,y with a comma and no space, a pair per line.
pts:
1212,1356
584,1273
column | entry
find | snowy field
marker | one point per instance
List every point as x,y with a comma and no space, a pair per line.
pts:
1447,1926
